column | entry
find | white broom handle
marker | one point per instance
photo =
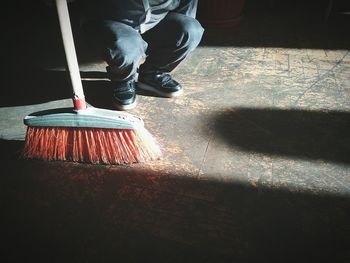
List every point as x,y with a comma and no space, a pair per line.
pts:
71,56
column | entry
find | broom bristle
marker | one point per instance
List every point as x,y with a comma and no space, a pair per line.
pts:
90,145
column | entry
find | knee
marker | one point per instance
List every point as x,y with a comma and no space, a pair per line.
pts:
191,31
126,49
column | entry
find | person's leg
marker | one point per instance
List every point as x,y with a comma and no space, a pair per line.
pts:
122,47
169,43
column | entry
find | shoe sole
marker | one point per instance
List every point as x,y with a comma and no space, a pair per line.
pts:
146,87
125,107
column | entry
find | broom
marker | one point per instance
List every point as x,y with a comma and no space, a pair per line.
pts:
85,134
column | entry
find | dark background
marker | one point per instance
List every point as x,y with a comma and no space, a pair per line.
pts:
51,216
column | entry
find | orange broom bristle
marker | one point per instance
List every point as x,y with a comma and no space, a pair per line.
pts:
90,145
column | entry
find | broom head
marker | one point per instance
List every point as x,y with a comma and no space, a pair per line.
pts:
91,135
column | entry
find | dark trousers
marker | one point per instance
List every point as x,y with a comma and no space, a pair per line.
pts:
163,47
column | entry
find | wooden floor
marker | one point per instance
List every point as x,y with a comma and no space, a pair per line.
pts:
256,155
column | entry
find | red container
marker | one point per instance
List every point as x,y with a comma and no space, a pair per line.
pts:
220,13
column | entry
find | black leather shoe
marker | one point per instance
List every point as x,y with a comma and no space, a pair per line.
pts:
124,94
160,83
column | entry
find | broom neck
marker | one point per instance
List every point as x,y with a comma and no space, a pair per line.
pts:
71,56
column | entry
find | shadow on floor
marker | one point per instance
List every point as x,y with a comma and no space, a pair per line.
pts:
65,212
302,134
40,86
33,87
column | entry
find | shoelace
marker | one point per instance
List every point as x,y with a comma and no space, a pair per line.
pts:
128,87
164,78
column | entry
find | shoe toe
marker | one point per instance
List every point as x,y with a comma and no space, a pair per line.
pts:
161,84
124,95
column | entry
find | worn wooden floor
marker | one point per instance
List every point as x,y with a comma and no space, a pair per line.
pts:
256,163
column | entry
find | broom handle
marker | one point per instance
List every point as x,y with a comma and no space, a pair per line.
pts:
71,56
